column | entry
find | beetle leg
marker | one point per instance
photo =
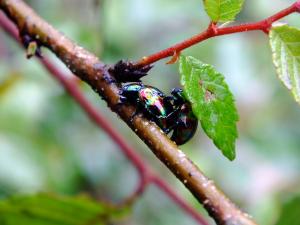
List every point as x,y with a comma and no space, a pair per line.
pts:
137,111
170,128
169,100
133,115
122,99
172,118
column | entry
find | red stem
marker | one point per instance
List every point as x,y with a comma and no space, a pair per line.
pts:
146,174
213,31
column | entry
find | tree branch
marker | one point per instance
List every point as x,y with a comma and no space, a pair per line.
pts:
146,175
86,66
145,172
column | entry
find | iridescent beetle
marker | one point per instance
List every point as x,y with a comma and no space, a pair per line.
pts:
170,113
151,101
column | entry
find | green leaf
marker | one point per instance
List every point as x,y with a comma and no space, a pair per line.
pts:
223,10
45,209
290,212
212,102
285,45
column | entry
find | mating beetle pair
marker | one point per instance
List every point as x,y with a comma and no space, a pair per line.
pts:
170,113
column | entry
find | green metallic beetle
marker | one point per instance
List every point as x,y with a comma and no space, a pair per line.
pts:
170,113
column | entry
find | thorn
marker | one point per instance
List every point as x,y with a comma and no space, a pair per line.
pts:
174,58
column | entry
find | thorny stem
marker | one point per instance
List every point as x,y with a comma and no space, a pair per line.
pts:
213,31
146,175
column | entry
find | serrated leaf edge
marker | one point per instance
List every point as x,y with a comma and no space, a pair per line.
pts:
218,14
286,80
234,133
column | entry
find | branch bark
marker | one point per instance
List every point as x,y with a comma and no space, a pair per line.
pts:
88,67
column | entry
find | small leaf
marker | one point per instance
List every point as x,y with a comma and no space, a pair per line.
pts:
223,10
212,102
285,45
45,209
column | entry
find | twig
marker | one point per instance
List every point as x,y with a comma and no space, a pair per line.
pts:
146,175
213,31
86,66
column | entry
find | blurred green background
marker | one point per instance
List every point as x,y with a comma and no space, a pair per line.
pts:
47,144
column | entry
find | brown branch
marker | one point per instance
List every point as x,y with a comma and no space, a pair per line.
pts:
146,175
86,66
